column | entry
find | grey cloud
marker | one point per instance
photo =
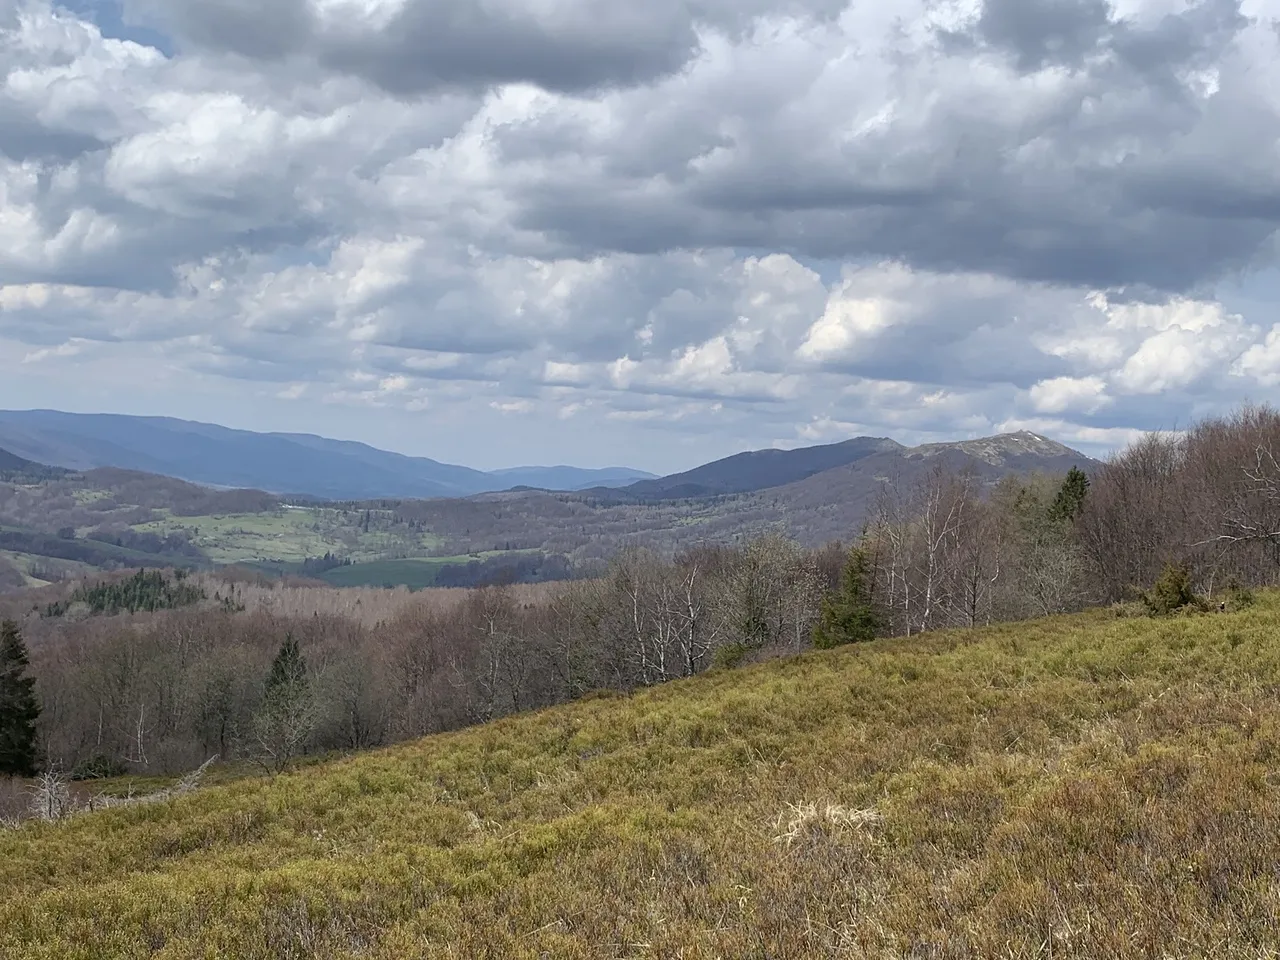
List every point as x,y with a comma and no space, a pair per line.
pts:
1031,190
644,307
433,45
155,164
1040,33
430,45
264,31
245,369
1058,183
286,189
26,139
997,353
1196,37
1037,33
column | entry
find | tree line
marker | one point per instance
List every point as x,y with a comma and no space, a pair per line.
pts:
1195,514
146,590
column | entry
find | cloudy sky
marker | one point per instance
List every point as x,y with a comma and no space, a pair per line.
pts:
604,231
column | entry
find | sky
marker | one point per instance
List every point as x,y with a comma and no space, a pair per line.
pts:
605,232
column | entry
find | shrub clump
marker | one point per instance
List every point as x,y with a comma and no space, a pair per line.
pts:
100,766
1172,594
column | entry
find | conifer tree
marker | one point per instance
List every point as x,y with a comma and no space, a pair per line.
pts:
1071,496
849,615
19,708
288,670
284,722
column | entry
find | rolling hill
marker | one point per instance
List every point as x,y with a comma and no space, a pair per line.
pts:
16,469
759,470
11,463
282,463
827,505
1080,787
866,457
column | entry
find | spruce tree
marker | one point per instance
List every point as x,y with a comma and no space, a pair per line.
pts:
288,670
849,615
1070,499
18,706
283,723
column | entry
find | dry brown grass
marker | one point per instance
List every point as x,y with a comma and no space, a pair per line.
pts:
1083,787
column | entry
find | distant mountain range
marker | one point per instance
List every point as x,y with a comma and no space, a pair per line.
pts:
281,463
134,491
760,470
304,465
9,463
813,494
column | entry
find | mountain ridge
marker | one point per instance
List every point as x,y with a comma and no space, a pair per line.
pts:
759,469
278,462
777,468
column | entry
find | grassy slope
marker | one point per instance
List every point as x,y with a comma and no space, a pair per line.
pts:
50,546
26,562
291,535
1105,786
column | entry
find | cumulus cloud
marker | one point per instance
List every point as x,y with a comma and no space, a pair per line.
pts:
1070,394
421,46
690,225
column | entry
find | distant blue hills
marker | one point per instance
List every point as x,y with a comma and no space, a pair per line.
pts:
281,463
302,465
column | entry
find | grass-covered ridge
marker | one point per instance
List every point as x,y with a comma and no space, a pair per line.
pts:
1085,786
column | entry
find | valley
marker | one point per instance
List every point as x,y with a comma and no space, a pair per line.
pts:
58,522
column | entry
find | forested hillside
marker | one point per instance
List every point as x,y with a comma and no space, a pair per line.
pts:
1190,513
62,525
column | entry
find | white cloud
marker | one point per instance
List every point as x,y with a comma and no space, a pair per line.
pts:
1191,340
1261,361
790,221
512,406
1070,394
844,324
68,349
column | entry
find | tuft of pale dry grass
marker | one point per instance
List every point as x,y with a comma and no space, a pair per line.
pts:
1080,787
820,820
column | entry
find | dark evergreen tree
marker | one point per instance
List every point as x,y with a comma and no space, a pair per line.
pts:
1172,592
288,670
287,716
1071,496
19,708
849,615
